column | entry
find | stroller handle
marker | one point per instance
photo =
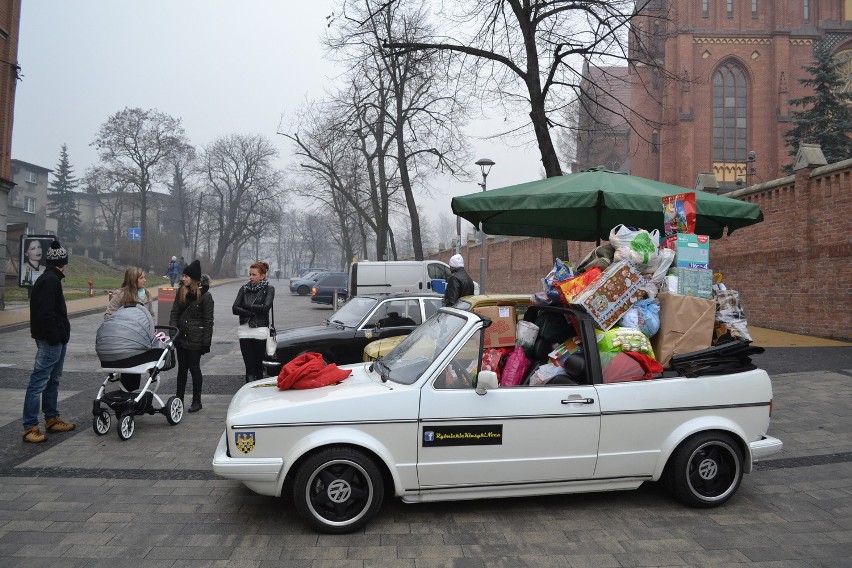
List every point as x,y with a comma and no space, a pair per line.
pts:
171,329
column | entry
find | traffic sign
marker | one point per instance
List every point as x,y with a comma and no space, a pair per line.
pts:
134,233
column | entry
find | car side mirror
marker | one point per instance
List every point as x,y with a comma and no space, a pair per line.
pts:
486,380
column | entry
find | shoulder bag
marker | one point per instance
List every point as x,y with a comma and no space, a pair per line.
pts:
271,341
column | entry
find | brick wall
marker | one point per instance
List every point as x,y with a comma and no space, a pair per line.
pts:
793,270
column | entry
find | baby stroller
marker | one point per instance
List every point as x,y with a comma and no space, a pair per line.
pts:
131,400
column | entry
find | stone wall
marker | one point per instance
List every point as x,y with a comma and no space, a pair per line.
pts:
793,270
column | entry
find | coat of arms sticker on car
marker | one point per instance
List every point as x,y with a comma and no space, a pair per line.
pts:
244,441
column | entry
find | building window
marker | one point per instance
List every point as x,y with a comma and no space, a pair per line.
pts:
729,7
705,8
807,10
754,8
29,205
32,177
729,114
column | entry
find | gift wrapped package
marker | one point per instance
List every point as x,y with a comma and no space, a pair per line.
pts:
611,295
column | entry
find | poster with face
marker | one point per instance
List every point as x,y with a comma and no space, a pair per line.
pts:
33,249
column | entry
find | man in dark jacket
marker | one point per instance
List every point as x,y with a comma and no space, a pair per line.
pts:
459,283
50,328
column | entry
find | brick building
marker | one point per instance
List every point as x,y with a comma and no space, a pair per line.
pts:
738,63
10,19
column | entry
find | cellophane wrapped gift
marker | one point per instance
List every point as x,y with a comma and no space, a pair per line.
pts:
612,294
730,317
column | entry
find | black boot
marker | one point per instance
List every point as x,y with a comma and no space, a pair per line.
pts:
195,406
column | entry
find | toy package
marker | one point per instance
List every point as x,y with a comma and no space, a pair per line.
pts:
679,213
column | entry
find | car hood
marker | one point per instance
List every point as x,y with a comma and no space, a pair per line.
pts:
361,396
298,334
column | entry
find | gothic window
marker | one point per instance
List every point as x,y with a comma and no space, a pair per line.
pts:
705,8
753,8
729,113
729,7
807,10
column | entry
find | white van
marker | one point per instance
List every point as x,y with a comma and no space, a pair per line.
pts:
372,277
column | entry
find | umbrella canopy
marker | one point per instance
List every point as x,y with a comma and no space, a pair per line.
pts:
587,205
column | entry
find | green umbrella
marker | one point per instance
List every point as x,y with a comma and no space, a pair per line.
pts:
587,205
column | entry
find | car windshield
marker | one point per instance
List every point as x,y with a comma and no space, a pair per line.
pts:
353,311
408,360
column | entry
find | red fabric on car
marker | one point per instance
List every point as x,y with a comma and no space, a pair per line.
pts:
309,371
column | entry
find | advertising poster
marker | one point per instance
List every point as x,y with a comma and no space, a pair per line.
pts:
32,258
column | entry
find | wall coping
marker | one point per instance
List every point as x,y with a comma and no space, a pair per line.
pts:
789,180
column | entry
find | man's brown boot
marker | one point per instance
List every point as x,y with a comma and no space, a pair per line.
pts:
56,424
33,435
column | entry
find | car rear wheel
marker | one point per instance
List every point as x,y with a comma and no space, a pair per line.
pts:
706,469
338,490
303,290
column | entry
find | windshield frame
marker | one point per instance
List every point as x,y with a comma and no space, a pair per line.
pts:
363,305
451,325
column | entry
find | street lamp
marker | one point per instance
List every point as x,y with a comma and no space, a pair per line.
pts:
485,167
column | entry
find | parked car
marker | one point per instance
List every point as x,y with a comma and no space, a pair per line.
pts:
303,273
341,339
381,347
302,286
425,424
323,290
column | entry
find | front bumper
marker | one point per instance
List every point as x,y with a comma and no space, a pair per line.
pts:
259,474
764,448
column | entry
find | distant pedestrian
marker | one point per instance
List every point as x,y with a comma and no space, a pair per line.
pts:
50,328
172,271
277,273
253,303
459,283
192,314
181,265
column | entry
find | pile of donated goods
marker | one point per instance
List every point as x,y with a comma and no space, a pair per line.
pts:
652,298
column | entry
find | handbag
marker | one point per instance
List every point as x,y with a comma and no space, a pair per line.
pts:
271,341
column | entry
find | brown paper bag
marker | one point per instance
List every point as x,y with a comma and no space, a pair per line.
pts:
686,325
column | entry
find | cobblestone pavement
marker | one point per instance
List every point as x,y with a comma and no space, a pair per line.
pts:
81,500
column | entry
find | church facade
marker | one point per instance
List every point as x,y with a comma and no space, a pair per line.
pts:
721,103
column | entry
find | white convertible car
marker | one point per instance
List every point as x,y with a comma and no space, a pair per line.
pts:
424,423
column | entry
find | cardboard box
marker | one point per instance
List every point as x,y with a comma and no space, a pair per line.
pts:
696,282
691,251
686,325
607,298
501,332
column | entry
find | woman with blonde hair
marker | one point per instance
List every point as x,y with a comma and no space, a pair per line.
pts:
192,314
132,292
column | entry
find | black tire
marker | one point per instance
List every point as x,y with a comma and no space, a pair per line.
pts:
303,290
338,490
126,426
101,423
705,470
173,410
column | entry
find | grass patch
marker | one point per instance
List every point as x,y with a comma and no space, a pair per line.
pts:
75,285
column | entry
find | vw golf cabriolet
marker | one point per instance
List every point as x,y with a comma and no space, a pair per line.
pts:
425,423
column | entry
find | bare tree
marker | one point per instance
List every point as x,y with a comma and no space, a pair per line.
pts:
241,184
184,194
137,146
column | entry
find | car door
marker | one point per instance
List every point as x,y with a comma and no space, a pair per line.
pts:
509,435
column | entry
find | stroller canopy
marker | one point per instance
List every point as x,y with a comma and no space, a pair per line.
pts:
129,332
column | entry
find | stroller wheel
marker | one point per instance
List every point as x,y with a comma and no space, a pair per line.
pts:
173,410
101,423
126,427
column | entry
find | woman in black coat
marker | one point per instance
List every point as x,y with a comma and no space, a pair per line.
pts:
253,304
192,314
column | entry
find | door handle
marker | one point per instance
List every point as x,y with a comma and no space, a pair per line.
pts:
578,400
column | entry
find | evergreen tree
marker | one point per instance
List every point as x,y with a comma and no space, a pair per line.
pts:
826,115
60,201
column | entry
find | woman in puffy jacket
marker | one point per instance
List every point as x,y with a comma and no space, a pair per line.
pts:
192,314
253,304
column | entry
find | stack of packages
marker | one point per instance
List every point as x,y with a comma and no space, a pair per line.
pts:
650,300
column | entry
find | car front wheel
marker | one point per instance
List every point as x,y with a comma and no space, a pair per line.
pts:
706,469
338,490
303,290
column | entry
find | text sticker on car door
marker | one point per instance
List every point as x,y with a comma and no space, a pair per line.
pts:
475,435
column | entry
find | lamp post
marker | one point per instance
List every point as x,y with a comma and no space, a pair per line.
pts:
485,167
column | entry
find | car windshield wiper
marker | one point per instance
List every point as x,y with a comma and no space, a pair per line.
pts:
382,367
335,322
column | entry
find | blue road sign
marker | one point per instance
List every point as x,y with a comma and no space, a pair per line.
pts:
134,233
